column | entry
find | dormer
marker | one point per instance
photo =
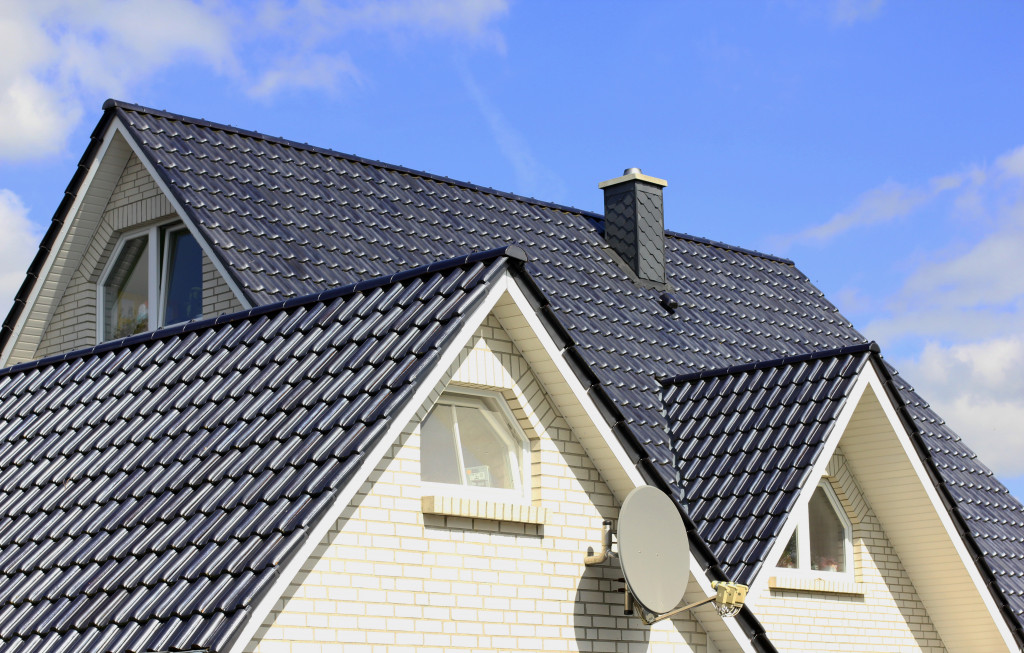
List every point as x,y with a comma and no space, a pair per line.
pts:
124,261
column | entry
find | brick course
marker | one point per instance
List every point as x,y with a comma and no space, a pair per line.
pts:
136,202
888,616
388,577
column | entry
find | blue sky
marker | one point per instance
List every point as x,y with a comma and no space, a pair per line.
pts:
878,144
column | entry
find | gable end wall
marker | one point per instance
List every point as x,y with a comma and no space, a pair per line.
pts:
136,202
389,577
888,616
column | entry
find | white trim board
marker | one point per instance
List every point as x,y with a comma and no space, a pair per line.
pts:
111,159
180,210
893,480
507,302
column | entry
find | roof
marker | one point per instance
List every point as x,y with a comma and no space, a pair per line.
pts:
151,488
746,438
286,219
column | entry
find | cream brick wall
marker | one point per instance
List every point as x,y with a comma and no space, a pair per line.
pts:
218,298
887,616
389,577
135,202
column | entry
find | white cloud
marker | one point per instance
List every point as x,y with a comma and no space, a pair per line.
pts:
18,245
957,317
320,71
978,388
62,55
848,12
320,60
887,202
532,178
974,293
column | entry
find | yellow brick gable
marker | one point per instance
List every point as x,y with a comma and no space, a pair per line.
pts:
885,613
390,577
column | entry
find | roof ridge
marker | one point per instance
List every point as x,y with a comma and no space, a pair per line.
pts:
513,252
128,106
785,360
280,140
732,248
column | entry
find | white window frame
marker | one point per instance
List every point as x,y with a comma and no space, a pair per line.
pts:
157,269
803,540
521,470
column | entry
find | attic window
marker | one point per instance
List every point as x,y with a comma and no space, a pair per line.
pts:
470,444
822,541
160,267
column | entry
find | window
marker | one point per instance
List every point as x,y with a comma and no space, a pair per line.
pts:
822,541
160,267
471,444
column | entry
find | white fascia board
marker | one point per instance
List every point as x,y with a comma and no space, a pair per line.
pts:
58,244
629,476
879,388
506,291
621,480
810,484
397,426
180,210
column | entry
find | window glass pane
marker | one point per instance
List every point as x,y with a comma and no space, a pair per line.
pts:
828,550
126,291
438,457
790,558
485,452
184,292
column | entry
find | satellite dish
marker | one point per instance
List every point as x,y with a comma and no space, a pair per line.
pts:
653,549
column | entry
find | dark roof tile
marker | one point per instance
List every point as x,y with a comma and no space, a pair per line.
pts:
145,522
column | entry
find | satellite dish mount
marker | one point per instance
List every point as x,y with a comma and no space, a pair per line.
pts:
655,557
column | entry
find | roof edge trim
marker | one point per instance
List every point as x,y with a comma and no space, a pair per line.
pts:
21,299
512,252
785,360
949,502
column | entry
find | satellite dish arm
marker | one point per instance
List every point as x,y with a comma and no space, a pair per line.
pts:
728,600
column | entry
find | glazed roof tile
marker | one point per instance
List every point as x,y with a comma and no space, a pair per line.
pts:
287,219
143,511
745,440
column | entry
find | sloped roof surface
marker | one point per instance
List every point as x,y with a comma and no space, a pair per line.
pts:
288,219
151,488
291,220
746,438
985,510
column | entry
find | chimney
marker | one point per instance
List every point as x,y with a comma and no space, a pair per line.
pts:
634,222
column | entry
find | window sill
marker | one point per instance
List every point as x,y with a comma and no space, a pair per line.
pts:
816,584
479,509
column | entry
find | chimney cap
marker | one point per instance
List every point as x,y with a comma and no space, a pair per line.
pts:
631,174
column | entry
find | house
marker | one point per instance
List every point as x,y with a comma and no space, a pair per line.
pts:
263,396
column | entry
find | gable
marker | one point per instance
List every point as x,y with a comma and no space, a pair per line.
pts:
893,483
393,572
896,484
879,609
64,316
152,489
136,202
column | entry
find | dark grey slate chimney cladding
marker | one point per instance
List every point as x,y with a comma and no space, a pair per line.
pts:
634,222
